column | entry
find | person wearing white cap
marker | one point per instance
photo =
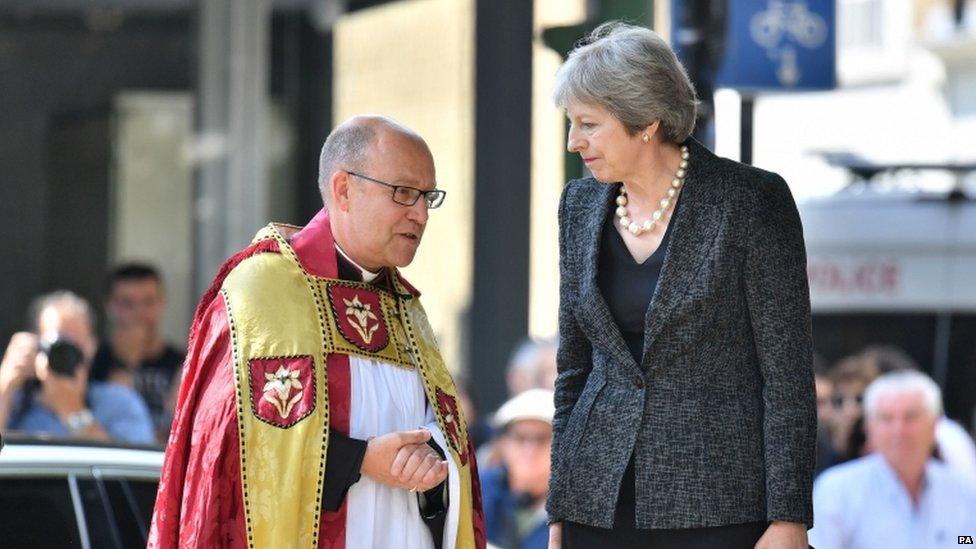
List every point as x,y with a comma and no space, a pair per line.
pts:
514,493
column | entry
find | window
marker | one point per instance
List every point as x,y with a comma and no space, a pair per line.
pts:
38,513
132,504
861,24
101,524
874,39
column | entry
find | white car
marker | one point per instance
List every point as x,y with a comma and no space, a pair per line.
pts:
58,493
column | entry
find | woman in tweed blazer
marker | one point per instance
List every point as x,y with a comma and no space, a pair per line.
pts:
685,409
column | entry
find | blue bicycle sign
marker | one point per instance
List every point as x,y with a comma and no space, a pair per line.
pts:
779,44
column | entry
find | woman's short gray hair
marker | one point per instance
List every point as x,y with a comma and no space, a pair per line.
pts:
634,74
902,382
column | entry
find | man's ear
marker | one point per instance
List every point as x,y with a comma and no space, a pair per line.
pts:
340,186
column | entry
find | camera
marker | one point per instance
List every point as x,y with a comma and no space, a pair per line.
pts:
63,357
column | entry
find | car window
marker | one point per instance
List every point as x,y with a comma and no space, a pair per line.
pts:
98,519
37,512
132,504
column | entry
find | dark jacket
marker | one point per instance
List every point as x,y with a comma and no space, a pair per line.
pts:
720,415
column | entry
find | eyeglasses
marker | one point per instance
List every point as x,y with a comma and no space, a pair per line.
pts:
840,401
523,439
408,196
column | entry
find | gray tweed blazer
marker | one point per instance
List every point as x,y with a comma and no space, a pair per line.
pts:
720,415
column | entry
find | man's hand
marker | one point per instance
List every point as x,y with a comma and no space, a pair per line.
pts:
383,451
65,395
784,535
555,535
419,467
18,361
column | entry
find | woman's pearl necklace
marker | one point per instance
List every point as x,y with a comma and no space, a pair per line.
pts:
679,180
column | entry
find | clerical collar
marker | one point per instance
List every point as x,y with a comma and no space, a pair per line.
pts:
367,276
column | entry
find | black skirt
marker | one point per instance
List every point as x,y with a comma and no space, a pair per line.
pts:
626,535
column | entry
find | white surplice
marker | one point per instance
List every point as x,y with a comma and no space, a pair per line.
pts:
384,399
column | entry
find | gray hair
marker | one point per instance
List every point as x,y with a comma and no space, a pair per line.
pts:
634,74
902,382
347,147
63,300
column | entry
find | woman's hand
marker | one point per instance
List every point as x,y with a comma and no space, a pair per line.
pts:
783,535
555,535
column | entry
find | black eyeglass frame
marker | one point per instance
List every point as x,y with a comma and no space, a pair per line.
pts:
432,203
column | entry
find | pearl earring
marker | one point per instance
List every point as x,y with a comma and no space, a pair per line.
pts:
646,138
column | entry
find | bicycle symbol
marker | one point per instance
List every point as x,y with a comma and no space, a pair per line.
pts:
781,24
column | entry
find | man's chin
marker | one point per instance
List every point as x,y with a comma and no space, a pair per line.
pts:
404,258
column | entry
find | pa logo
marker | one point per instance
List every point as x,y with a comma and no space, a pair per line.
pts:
965,540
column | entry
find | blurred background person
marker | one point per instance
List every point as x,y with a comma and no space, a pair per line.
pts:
850,377
479,429
532,366
826,455
898,496
44,385
135,353
514,492
953,445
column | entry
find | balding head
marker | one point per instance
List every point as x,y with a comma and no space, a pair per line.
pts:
351,145
64,314
364,161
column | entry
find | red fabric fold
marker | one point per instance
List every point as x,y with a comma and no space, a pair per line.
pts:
332,527
200,502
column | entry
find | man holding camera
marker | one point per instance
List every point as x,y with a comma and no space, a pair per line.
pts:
44,386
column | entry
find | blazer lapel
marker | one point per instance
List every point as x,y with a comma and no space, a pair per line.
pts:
598,323
692,238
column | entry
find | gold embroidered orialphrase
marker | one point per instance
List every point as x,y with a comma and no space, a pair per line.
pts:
362,314
282,382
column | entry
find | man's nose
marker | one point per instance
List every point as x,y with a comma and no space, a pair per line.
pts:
418,212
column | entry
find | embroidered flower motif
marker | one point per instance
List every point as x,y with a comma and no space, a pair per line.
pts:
282,382
449,412
362,312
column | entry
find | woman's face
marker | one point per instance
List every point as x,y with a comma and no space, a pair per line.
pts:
607,150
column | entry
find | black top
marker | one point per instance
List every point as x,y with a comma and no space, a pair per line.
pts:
153,380
626,285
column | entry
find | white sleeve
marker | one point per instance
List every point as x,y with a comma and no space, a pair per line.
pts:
956,448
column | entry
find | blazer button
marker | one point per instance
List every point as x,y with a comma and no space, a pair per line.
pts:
639,382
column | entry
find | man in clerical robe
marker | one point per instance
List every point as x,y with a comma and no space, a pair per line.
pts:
315,409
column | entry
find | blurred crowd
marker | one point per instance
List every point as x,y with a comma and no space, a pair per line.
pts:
890,464
893,470
59,378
